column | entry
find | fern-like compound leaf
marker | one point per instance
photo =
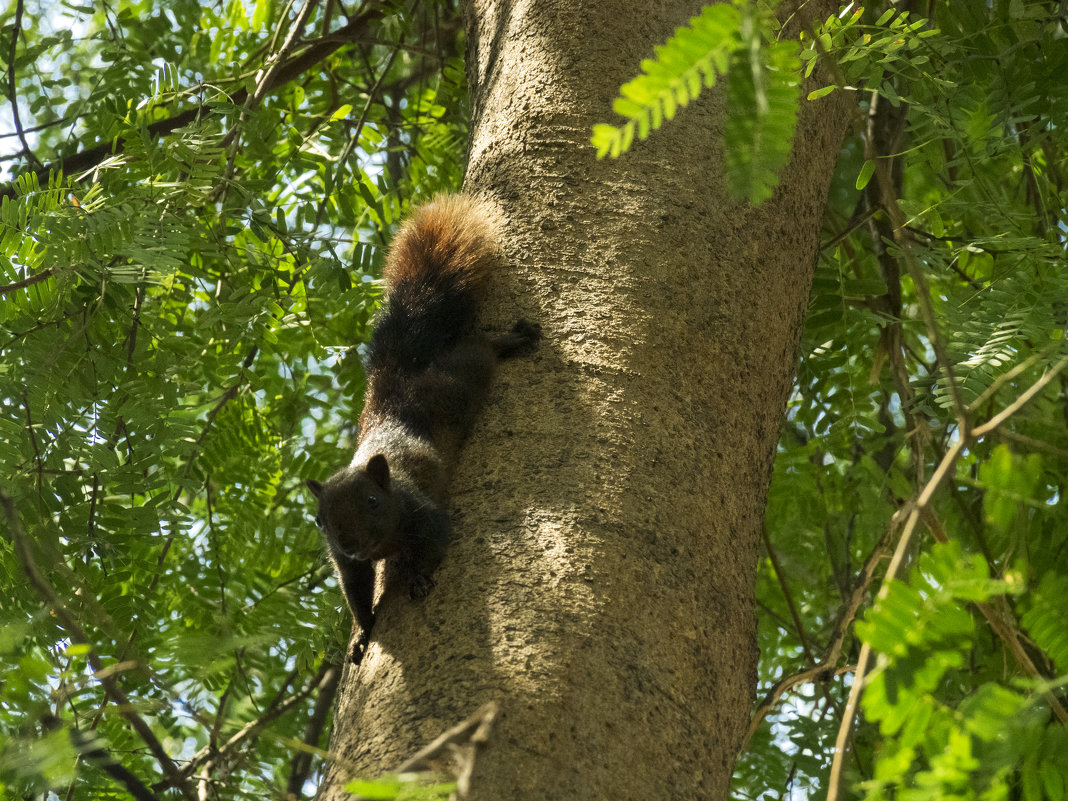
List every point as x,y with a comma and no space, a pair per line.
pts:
762,94
689,61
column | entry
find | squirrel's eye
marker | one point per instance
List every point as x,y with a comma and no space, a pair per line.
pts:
372,501
319,521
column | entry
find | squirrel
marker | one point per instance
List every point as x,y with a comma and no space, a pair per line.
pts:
428,374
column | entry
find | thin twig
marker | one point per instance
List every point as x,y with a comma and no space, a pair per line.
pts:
204,781
16,29
1008,376
463,749
264,76
786,593
884,165
834,647
278,707
332,177
1003,627
1021,401
274,61
33,438
841,742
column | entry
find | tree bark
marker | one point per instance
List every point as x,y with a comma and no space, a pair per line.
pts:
607,513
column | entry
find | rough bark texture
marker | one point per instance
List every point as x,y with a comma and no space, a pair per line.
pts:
607,513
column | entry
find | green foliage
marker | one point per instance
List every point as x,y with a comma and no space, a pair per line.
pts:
763,92
943,736
968,107
684,65
174,328
872,53
762,81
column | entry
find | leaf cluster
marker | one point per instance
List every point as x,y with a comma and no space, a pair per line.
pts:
941,730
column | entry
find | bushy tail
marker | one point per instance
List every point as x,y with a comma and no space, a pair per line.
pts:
454,238
435,276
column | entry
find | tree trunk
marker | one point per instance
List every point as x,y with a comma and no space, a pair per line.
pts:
607,513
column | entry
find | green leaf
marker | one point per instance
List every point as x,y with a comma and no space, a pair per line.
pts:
1009,481
866,172
341,112
381,790
816,94
763,96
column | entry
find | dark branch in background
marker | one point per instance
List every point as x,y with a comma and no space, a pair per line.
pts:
48,593
300,768
93,750
786,593
44,126
883,134
16,28
315,52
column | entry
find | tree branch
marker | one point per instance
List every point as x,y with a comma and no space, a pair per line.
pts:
30,281
481,722
93,750
16,28
834,647
301,766
278,707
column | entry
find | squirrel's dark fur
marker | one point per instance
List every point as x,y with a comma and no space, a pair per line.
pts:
428,372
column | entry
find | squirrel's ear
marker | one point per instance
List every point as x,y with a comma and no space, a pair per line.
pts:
315,487
378,470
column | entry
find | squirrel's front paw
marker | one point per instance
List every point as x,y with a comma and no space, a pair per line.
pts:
421,586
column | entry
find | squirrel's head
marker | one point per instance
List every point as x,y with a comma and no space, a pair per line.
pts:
357,511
